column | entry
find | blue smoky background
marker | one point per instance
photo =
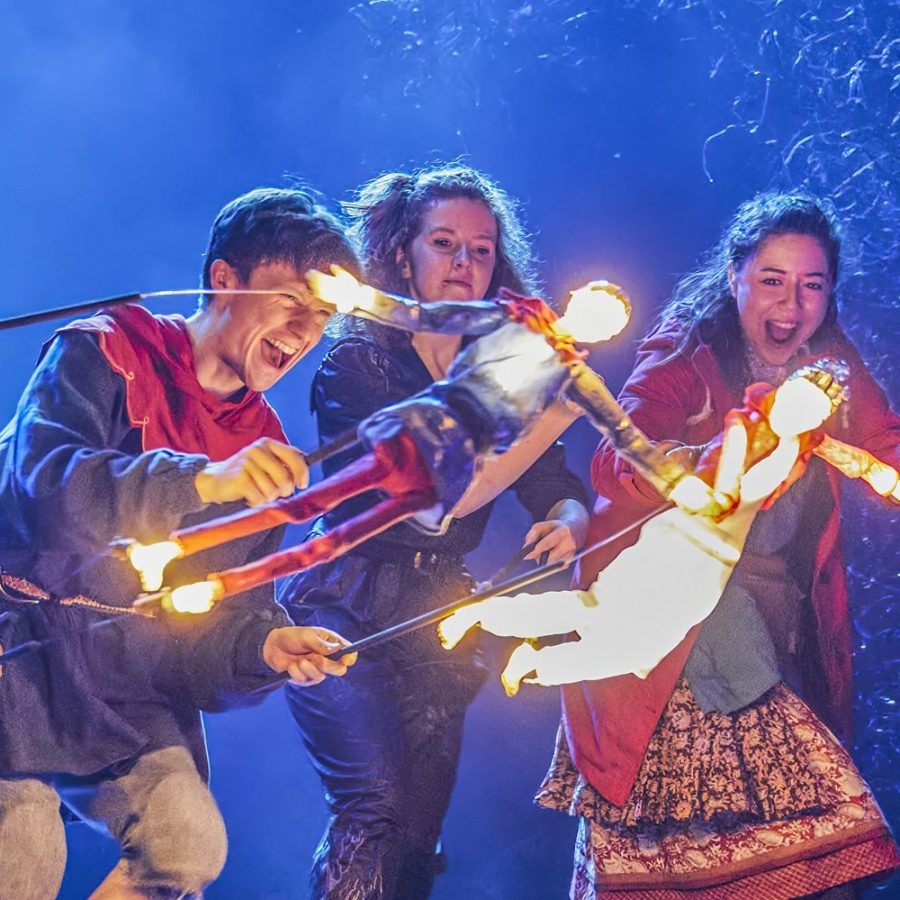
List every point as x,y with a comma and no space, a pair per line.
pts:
629,130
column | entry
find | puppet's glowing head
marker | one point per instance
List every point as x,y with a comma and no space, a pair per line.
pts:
596,312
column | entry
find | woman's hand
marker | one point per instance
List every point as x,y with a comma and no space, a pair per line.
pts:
304,653
561,535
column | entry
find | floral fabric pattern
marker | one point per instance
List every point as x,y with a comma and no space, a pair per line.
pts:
763,802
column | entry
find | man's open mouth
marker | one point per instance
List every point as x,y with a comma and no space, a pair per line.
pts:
278,353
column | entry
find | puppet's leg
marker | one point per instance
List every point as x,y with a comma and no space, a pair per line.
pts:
521,615
580,660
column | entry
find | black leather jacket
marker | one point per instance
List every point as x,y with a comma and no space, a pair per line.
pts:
364,372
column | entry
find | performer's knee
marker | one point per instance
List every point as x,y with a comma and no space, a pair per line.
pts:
179,841
32,840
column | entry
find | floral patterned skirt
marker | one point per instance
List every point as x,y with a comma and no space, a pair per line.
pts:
761,803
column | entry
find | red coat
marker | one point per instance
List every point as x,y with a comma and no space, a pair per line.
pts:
609,723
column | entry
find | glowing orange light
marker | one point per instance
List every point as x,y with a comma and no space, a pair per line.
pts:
854,462
195,598
342,290
150,561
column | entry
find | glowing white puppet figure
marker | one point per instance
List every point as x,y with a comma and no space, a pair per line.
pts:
649,597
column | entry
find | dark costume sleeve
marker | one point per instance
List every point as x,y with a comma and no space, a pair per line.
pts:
221,651
72,488
75,490
355,380
546,482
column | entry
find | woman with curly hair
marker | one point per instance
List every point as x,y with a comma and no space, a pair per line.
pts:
387,745
720,776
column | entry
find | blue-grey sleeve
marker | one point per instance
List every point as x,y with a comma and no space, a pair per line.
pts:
71,488
68,489
221,652
355,379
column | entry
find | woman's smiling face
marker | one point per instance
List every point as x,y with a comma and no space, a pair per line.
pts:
782,293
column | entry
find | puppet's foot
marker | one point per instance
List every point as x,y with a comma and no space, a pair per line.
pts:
452,629
522,661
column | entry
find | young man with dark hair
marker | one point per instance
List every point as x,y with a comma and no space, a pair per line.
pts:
134,425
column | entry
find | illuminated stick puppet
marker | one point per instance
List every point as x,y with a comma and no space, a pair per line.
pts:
644,603
426,451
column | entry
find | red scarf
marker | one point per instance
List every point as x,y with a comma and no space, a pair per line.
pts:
164,399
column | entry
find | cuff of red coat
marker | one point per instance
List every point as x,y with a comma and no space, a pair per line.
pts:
639,488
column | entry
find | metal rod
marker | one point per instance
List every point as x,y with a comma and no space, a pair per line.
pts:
332,448
61,312
491,590
429,618
422,621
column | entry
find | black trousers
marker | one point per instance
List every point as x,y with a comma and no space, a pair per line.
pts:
385,739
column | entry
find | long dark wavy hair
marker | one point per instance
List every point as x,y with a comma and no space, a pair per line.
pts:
702,302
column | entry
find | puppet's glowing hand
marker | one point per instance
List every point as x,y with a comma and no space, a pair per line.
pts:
258,474
304,653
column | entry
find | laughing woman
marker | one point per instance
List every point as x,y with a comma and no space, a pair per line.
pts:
387,745
720,776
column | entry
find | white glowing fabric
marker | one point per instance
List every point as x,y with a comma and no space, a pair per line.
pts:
642,605
196,598
150,561
595,313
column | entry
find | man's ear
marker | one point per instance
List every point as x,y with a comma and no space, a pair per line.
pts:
223,276
403,262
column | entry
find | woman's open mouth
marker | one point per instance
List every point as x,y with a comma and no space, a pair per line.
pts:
781,333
